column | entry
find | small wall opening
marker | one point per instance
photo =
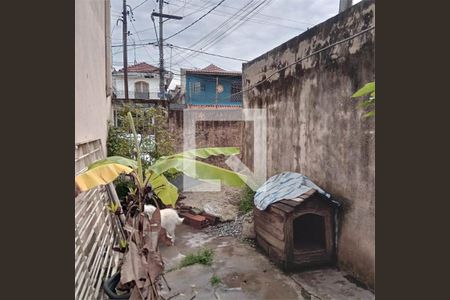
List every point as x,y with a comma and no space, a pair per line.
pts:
309,232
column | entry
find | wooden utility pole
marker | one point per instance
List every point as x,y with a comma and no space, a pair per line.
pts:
162,89
125,52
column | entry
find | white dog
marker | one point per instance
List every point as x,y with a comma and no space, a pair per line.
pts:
169,219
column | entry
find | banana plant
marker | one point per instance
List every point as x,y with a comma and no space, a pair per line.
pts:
150,184
107,170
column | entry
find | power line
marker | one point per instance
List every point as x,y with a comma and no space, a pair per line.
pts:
241,21
139,5
192,24
218,28
206,53
244,14
139,38
186,60
256,20
201,58
188,49
263,15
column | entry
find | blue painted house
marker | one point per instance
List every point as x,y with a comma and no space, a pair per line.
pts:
211,87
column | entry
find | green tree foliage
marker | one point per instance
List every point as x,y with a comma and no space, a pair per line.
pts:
155,140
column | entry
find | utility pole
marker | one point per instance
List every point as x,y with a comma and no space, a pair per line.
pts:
162,88
125,52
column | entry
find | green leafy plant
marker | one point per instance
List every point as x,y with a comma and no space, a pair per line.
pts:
152,178
204,257
114,207
367,89
123,244
151,186
215,280
155,140
246,203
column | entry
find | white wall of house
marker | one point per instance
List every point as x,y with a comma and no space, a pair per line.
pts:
92,70
118,82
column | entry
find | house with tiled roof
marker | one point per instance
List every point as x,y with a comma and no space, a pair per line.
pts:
143,82
211,87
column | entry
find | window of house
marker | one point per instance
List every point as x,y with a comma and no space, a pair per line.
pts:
236,88
198,87
141,90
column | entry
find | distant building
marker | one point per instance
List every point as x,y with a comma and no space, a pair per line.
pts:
211,87
143,82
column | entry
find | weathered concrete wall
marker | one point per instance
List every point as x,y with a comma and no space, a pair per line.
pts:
315,128
92,105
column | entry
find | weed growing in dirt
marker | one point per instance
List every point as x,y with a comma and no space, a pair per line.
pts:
246,204
204,257
215,280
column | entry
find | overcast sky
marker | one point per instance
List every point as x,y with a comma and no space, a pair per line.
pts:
236,28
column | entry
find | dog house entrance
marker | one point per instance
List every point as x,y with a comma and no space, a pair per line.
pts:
309,232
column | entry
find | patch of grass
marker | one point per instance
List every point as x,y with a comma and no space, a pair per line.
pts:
204,257
246,204
215,280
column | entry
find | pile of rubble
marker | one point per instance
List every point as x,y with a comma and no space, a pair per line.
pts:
230,228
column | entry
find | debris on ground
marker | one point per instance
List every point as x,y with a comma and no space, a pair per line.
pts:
232,228
196,218
223,205
196,221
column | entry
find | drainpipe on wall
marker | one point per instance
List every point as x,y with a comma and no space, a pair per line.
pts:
344,4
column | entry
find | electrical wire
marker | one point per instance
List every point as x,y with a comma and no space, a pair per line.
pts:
262,15
242,20
222,25
187,49
193,23
145,48
257,20
206,53
249,10
139,5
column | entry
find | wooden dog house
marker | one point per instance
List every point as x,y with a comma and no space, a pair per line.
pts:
298,233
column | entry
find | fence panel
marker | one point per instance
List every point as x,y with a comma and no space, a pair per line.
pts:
96,230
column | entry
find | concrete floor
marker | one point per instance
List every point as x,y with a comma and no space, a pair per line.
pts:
245,273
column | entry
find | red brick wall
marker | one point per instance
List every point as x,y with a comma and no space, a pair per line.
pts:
208,134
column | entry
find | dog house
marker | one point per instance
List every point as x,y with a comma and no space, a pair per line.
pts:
298,233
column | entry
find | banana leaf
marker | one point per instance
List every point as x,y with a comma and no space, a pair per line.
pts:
116,160
202,153
368,88
198,170
100,175
206,152
166,191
